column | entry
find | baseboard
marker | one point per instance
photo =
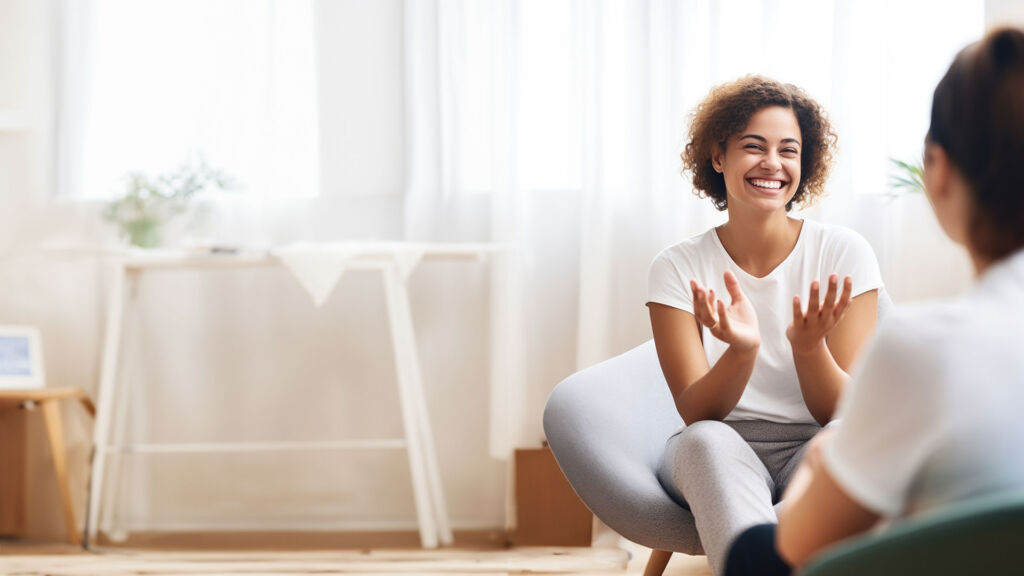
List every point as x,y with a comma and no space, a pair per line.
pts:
156,525
294,540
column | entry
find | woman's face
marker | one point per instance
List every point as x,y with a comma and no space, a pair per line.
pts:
761,164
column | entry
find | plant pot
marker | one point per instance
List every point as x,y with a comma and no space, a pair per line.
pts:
144,233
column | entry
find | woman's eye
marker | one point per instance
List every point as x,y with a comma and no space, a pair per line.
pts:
753,147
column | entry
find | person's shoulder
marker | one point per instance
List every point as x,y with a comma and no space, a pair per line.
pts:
835,235
843,247
672,269
920,334
688,250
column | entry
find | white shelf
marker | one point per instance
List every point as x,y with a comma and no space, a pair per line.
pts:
13,121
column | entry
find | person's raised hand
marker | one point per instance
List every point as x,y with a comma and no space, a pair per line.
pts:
735,324
809,329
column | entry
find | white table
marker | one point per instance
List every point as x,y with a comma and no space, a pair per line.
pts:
392,260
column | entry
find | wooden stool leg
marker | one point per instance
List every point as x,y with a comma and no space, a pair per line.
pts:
657,562
55,430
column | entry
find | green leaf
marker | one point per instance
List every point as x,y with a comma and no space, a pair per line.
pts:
906,176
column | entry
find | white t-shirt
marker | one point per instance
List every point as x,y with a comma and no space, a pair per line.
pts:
934,413
773,392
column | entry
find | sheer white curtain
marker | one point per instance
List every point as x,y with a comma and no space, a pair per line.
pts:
147,84
559,123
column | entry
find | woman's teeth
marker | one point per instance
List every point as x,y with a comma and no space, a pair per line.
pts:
773,184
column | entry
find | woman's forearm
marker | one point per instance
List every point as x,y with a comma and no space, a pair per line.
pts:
821,380
714,395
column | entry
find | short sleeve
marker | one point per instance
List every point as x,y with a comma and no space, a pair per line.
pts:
889,416
853,256
667,285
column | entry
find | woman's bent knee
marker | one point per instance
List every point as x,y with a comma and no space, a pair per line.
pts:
702,440
707,433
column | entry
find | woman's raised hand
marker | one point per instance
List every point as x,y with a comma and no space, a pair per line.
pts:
809,330
736,325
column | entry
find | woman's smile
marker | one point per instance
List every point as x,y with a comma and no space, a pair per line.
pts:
770,186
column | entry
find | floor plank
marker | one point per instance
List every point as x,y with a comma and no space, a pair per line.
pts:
562,561
39,559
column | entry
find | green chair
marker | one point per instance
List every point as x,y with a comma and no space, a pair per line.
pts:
983,536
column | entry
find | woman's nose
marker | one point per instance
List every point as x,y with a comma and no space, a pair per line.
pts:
771,161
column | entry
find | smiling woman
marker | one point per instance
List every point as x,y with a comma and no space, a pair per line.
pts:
756,378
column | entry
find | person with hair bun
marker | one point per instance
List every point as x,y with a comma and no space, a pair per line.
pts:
933,415
756,376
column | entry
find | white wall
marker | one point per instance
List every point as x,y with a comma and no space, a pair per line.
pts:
1004,12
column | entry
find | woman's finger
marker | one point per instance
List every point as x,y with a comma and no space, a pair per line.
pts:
798,312
844,300
707,308
700,305
814,301
830,294
733,286
723,318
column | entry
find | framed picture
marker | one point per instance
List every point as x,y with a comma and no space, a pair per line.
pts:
21,358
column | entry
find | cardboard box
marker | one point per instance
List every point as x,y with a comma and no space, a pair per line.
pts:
548,512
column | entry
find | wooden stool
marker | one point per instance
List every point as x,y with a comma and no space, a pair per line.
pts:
14,470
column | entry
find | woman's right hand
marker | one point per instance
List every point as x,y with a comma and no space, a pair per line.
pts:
736,325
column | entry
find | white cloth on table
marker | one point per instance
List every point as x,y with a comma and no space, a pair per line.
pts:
318,267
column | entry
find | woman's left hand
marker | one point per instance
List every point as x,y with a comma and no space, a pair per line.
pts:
809,330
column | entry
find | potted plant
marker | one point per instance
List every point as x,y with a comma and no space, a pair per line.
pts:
150,202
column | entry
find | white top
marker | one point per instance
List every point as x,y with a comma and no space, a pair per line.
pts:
934,413
773,392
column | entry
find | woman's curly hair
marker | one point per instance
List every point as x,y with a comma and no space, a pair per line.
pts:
727,110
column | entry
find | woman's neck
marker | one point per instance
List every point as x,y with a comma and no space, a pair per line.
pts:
759,245
981,263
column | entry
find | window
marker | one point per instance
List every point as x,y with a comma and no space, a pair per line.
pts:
584,81
146,84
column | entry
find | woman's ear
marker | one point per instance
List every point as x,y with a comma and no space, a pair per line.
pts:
937,172
718,158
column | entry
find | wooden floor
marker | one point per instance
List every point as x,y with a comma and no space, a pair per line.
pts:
22,558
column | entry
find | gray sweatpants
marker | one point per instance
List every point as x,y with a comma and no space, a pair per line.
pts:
731,475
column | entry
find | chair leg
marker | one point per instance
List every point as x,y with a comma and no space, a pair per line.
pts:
657,562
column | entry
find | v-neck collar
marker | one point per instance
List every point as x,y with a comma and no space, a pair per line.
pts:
773,271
